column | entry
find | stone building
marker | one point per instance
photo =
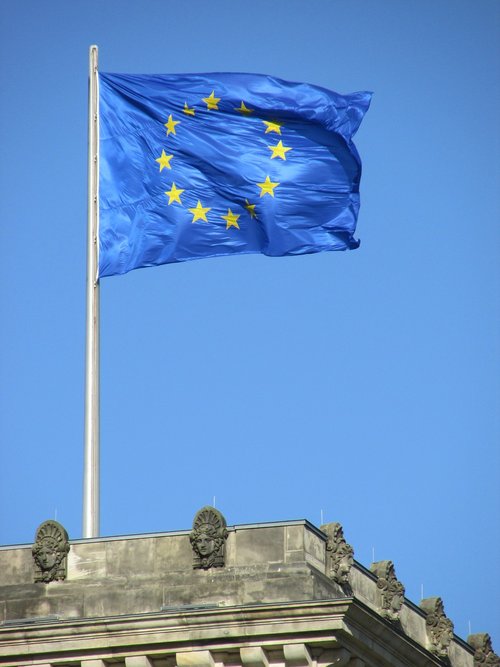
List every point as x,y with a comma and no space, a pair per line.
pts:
283,594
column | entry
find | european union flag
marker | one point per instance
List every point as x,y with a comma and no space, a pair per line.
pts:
201,165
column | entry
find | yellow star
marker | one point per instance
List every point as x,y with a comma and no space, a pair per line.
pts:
199,212
267,188
250,208
164,160
174,194
231,219
211,101
279,150
272,127
187,110
171,125
243,109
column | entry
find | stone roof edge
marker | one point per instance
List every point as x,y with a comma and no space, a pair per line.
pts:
409,603
248,526
173,533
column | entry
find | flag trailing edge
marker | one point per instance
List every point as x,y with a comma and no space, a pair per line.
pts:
203,165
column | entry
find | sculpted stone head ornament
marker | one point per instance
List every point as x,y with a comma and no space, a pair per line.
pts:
49,552
391,591
484,655
340,555
438,625
207,538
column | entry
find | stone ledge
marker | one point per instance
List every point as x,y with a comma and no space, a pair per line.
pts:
343,623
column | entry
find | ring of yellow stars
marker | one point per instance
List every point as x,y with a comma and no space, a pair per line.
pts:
170,125
279,150
267,188
174,194
231,219
164,160
211,101
187,110
244,109
250,208
199,212
272,127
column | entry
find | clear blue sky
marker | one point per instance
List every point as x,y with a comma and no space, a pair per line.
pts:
363,384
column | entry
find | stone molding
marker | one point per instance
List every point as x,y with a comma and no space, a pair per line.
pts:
135,661
439,627
253,656
195,659
310,634
92,663
484,656
391,592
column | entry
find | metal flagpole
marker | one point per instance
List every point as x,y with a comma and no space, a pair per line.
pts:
91,457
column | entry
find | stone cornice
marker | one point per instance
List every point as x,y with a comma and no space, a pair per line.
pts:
273,585
332,623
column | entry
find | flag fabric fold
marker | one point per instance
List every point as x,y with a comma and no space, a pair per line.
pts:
203,165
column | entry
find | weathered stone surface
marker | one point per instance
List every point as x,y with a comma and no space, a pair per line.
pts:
138,661
93,663
118,561
260,545
413,624
87,560
315,550
253,656
297,655
294,538
36,608
16,565
172,554
108,600
365,584
195,659
484,655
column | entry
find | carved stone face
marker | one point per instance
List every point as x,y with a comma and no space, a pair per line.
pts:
47,555
343,569
397,601
207,538
205,544
446,631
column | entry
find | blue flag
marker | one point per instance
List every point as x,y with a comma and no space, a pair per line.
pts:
202,165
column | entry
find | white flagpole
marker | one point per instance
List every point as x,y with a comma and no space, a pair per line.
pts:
91,457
